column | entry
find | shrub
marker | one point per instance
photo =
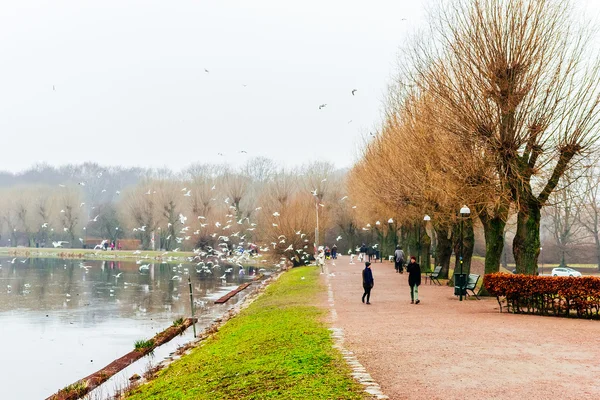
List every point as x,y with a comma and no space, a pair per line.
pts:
546,295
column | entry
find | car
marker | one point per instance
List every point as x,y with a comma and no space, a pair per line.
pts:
565,271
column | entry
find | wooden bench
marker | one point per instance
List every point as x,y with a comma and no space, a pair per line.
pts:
433,276
472,284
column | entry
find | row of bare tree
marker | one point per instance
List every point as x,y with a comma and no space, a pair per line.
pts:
495,107
258,203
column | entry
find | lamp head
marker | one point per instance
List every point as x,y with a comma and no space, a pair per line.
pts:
377,223
390,221
465,211
426,218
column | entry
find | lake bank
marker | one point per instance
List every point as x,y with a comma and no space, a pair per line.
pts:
278,347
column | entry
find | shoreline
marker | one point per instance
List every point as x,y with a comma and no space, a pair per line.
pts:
101,255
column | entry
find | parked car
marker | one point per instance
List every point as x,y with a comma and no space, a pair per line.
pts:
565,271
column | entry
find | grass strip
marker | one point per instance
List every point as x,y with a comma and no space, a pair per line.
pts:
277,348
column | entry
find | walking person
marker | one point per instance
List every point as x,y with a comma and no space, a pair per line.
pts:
399,259
414,279
334,252
362,252
368,282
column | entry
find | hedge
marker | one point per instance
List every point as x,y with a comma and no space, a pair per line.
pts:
546,295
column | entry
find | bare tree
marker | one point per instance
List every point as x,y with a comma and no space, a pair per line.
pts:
518,77
589,215
71,215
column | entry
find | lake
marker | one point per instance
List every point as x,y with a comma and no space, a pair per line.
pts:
61,320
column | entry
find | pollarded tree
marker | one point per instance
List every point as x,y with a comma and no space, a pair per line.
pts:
519,79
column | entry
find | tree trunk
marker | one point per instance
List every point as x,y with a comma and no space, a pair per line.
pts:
444,249
526,245
425,249
493,229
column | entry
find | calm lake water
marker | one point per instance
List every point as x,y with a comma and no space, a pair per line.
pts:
61,320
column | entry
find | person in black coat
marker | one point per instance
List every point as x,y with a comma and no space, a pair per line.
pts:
368,282
414,280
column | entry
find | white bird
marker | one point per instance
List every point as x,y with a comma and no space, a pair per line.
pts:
81,205
182,218
118,192
143,228
188,193
314,192
137,252
118,275
344,198
82,183
338,238
96,218
13,260
176,278
276,214
45,225
144,267
59,243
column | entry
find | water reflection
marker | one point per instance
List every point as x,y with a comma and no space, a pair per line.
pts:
61,320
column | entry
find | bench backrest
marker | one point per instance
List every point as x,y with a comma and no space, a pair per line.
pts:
436,271
472,282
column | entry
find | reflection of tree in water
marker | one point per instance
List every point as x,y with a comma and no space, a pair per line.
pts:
100,291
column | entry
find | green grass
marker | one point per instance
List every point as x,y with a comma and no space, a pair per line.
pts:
278,348
143,345
178,322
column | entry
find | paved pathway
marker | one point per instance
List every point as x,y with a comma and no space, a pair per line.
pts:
446,349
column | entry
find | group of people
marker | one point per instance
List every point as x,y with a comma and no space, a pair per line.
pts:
331,253
414,276
365,253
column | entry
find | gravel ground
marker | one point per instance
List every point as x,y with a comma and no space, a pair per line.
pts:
446,349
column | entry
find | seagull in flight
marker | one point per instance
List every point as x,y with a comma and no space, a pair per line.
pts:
344,198
354,91
207,71
322,106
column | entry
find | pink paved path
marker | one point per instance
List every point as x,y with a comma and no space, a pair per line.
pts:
446,349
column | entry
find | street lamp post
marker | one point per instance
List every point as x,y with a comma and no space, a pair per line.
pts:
317,228
542,259
379,238
464,213
85,237
425,218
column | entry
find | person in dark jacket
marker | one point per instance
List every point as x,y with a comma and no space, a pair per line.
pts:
367,277
399,259
414,279
334,252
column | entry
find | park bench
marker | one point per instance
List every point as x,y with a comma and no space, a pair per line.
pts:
472,284
433,276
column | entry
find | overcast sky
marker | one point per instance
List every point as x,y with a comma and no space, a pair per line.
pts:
124,82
